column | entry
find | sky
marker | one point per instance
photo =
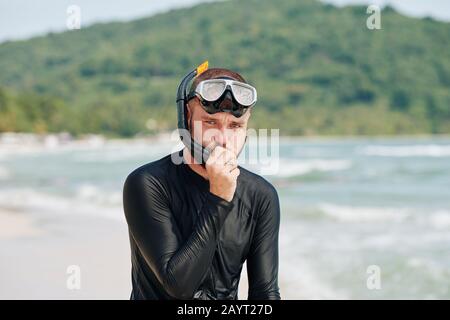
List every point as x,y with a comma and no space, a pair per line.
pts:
22,19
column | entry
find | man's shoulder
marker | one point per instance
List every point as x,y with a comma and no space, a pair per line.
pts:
256,184
158,169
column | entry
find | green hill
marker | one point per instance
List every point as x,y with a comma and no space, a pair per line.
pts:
318,70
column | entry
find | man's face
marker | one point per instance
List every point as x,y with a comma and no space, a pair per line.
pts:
225,129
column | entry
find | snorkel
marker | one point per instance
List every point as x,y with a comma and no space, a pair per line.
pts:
200,153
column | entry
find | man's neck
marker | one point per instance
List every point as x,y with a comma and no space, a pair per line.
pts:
194,165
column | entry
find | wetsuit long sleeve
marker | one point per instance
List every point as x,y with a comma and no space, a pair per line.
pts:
179,265
262,261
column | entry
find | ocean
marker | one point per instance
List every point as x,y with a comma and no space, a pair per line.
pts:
361,218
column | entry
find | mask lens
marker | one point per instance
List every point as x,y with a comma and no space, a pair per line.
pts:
212,90
243,95
238,99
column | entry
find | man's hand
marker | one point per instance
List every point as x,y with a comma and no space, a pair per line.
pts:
222,171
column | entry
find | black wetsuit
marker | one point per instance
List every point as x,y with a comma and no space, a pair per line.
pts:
187,243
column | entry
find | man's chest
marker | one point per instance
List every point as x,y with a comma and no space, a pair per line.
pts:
236,231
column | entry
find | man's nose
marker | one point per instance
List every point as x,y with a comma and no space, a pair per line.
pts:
220,138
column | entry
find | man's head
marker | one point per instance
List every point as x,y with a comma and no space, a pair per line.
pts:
223,128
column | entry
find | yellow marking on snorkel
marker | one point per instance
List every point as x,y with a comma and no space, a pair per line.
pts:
202,68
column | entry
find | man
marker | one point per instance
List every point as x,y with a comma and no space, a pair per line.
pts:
192,225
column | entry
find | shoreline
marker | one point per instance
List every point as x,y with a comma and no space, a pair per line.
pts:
16,224
55,140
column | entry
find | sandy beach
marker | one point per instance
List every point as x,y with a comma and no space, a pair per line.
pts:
36,252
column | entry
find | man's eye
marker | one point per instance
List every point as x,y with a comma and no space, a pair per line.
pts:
236,125
211,122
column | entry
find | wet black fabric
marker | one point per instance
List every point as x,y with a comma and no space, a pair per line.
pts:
187,243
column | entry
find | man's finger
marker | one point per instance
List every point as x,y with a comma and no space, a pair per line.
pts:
228,156
216,151
231,162
235,172
211,146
